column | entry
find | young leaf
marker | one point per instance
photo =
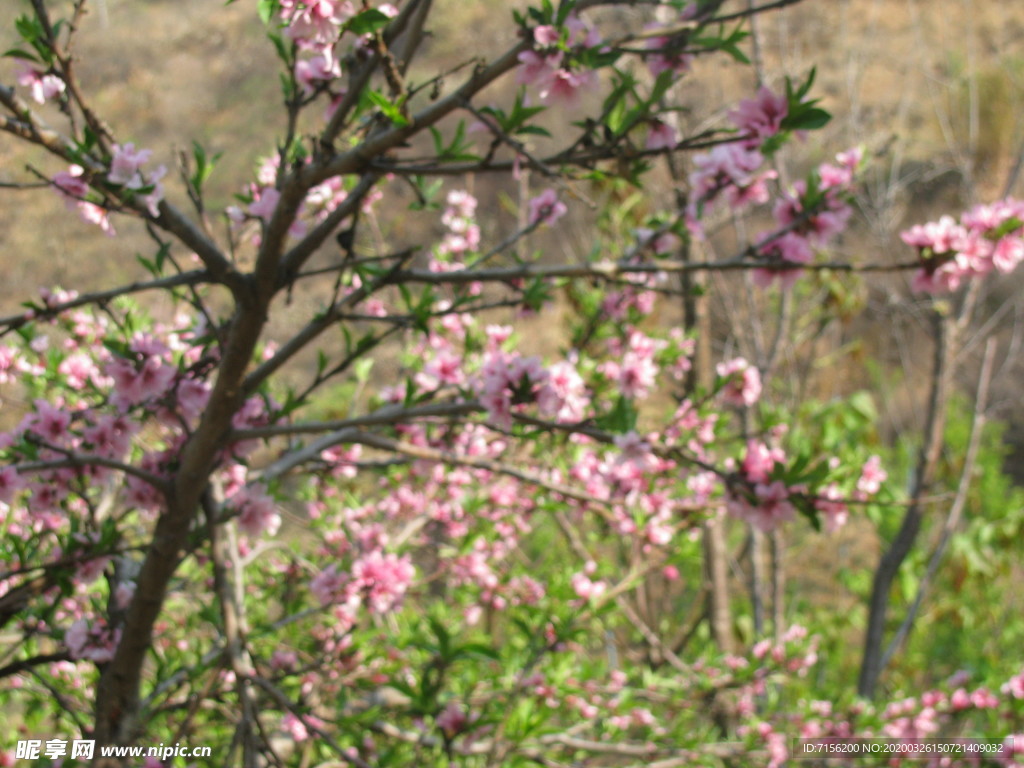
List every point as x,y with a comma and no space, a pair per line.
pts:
390,110
267,9
367,22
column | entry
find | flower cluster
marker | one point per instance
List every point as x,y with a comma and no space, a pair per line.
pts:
735,169
986,238
810,216
377,579
730,170
73,188
262,197
316,28
632,364
548,69
42,85
741,382
462,233
92,641
125,173
315,25
508,382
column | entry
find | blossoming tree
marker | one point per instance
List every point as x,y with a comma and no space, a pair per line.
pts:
492,527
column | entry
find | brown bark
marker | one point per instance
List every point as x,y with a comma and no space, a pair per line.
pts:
946,332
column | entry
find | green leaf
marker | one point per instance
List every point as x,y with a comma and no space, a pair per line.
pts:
478,650
595,58
661,86
620,419
1010,225
616,119
564,9
806,87
457,150
204,165
266,9
736,53
390,110
864,406
148,265
532,130
17,53
362,369
810,119
367,22
537,294
118,348
438,141
28,28
443,636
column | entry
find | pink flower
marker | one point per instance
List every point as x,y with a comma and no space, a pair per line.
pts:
78,369
959,699
773,505
871,476
446,369
125,165
1014,687
73,188
851,158
294,727
1012,745
759,461
581,33
385,579
191,396
265,203
43,87
50,421
788,248
742,384
153,199
937,236
11,483
257,512
760,118
123,594
322,67
663,58
1007,254
110,436
327,585
565,87
819,226
452,720
94,642
315,23
71,184
661,136
545,35
91,213
546,208
137,384
834,509
729,169
537,69
586,589
564,396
